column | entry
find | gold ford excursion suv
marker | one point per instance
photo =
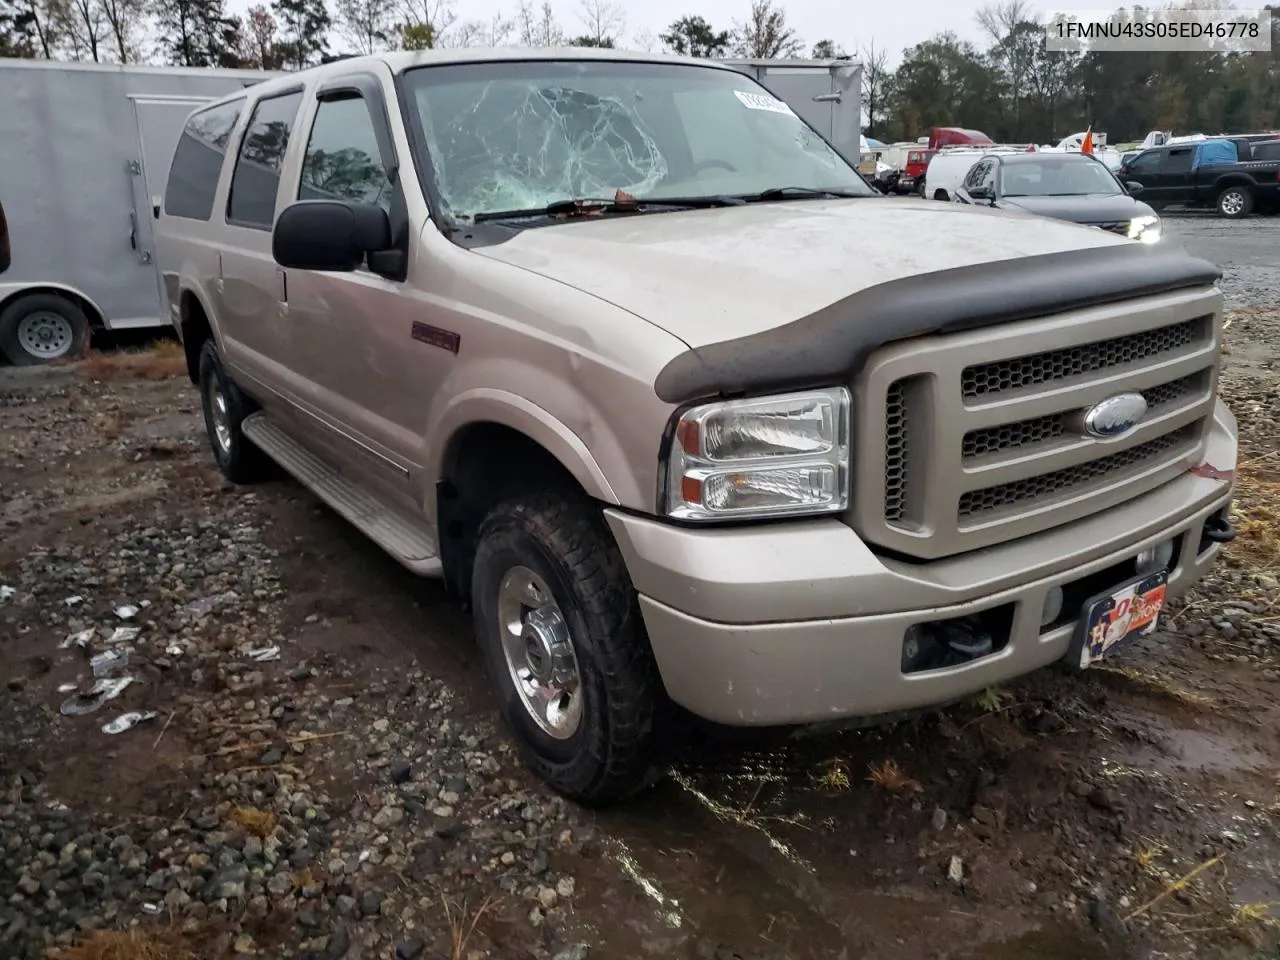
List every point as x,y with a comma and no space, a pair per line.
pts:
694,420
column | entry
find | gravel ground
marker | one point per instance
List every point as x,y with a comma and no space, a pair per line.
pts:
317,771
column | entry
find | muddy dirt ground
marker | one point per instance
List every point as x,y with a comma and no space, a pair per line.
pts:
318,771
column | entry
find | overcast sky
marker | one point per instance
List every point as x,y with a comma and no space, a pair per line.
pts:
891,24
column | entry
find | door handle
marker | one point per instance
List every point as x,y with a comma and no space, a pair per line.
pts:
133,231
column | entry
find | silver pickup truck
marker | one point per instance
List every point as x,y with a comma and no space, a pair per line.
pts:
692,418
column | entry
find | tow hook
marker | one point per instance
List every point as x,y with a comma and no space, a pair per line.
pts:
1218,529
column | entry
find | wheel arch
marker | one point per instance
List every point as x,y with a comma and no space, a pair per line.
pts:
194,328
97,318
499,445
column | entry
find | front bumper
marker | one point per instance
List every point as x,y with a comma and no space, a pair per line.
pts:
801,622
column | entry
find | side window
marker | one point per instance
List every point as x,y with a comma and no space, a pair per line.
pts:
987,177
1146,162
197,162
1267,151
342,161
252,201
1178,160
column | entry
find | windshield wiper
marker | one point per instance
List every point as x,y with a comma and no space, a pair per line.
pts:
789,193
591,206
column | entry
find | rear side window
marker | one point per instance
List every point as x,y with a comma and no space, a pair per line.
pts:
1266,151
193,175
256,180
342,161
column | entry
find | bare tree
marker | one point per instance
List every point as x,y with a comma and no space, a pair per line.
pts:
260,41
604,21
425,23
86,28
765,35
1001,20
645,40
368,24
538,27
478,33
875,81
44,20
126,20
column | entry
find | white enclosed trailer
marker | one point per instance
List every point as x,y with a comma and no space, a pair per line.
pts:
825,93
83,150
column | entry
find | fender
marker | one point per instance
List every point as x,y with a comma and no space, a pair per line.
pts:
490,405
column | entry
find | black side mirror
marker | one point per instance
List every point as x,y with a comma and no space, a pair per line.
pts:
1134,187
330,235
6,254
980,193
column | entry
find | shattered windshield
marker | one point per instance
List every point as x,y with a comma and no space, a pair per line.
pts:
517,135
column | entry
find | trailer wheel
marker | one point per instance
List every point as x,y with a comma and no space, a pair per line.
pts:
1235,202
41,327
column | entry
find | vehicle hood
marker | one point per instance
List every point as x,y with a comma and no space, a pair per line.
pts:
712,275
1089,208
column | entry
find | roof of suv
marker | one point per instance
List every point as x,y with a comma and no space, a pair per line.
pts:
401,60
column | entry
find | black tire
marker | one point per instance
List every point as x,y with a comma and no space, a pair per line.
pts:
614,752
42,327
238,459
1236,199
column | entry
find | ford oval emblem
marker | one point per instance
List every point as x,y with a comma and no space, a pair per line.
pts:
1115,416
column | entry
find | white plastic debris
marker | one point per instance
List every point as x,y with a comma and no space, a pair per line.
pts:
127,611
81,639
104,663
206,605
7,593
127,721
102,691
67,687
175,650
124,635
955,870
263,654
73,601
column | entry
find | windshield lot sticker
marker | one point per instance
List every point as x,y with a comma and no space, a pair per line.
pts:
762,101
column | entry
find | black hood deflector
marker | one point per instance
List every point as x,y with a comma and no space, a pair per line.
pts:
830,345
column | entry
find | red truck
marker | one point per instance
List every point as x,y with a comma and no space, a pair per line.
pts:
912,179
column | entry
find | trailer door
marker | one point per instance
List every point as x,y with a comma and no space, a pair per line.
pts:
158,121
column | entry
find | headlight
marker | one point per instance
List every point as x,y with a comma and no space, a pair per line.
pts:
780,456
1145,229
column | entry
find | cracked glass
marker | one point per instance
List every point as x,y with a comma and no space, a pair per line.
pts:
519,135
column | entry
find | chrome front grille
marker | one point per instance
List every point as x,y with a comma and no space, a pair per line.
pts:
972,439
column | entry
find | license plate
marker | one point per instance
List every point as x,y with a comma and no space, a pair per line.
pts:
1113,620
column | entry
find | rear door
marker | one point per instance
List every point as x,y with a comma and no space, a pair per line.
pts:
1175,182
158,123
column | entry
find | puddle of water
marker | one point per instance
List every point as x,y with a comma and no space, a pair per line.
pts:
1202,751
1050,943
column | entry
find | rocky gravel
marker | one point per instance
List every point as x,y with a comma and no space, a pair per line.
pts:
309,765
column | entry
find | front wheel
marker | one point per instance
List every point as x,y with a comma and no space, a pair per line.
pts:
1235,202
565,645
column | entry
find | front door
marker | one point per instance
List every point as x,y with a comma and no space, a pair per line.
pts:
355,365
158,123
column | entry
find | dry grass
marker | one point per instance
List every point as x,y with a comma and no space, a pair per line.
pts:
1160,685
261,823
890,776
1257,508
160,361
460,930
133,944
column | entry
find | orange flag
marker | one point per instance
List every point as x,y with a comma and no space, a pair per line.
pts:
1087,146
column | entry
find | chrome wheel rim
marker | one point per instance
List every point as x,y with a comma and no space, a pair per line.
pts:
45,334
219,417
539,653
1232,203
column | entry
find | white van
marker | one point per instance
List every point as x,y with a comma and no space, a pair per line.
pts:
949,166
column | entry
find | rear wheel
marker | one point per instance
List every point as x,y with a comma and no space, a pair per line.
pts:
42,327
1235,202
941,195
225,408
560,627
